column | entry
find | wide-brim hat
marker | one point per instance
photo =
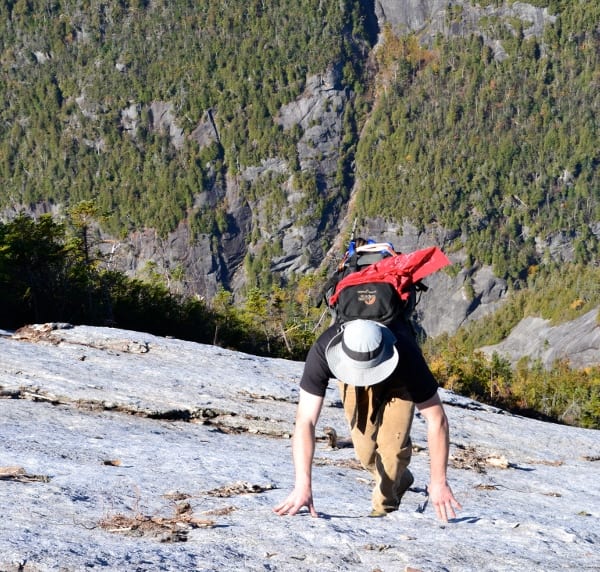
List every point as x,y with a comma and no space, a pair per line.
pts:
362,353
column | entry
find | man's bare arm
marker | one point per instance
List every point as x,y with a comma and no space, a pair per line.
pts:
438,438
303,449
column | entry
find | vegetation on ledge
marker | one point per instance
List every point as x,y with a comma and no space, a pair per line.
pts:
50,272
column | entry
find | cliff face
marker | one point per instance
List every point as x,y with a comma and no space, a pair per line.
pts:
306,235
577,341
429,17
297,226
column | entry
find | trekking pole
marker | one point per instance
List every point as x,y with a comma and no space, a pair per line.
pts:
341,264
352,234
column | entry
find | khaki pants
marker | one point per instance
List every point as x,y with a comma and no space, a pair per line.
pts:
380,420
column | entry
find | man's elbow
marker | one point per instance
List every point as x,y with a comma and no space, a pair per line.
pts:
443,423
304,426
433,412
438,427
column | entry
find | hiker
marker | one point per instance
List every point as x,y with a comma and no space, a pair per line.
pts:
382,375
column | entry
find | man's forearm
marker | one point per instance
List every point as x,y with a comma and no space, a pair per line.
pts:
438,440
303,448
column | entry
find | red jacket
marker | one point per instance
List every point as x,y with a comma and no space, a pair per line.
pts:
401,271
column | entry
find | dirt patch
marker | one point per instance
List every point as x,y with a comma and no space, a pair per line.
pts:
343,463
239,488
469,458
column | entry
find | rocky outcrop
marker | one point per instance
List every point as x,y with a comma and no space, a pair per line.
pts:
319,113
203,271
459,17
453,300
163,119
432,17
206,131
577,341
298,225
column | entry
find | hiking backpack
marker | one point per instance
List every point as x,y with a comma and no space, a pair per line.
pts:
374,282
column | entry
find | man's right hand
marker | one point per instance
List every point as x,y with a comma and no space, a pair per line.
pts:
296,500
303,448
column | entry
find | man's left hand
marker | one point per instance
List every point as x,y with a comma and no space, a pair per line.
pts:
442,498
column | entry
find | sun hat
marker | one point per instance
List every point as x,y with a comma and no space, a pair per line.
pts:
362,353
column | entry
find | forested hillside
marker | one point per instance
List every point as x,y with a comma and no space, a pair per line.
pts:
81,80
111,102
156,110
504,151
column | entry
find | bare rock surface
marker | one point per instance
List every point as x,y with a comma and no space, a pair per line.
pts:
577,341
125,451
436,16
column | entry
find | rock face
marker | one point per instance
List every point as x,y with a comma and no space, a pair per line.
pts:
450,18
203,271
432,17
205,132
448,303
163,119
577,341
319,113
408,16
297,226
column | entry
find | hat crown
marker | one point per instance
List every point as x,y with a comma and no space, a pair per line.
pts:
362,339
362,353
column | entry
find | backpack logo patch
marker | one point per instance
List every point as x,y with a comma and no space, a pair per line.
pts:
367,297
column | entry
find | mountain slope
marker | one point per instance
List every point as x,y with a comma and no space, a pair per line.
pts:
122,450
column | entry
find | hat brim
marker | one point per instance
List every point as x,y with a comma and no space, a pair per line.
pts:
355,373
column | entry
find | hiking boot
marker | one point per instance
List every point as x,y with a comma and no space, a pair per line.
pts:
406,481
379,512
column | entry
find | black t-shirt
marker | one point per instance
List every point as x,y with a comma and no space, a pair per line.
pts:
412,370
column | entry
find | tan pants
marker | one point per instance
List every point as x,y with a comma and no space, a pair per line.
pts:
380,420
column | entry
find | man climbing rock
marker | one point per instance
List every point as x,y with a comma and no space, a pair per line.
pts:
382,377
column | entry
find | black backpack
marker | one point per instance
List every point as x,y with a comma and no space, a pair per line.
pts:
379,301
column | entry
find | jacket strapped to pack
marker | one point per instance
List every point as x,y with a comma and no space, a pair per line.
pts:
401,271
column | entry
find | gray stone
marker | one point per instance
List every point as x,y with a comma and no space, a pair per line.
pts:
577,341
